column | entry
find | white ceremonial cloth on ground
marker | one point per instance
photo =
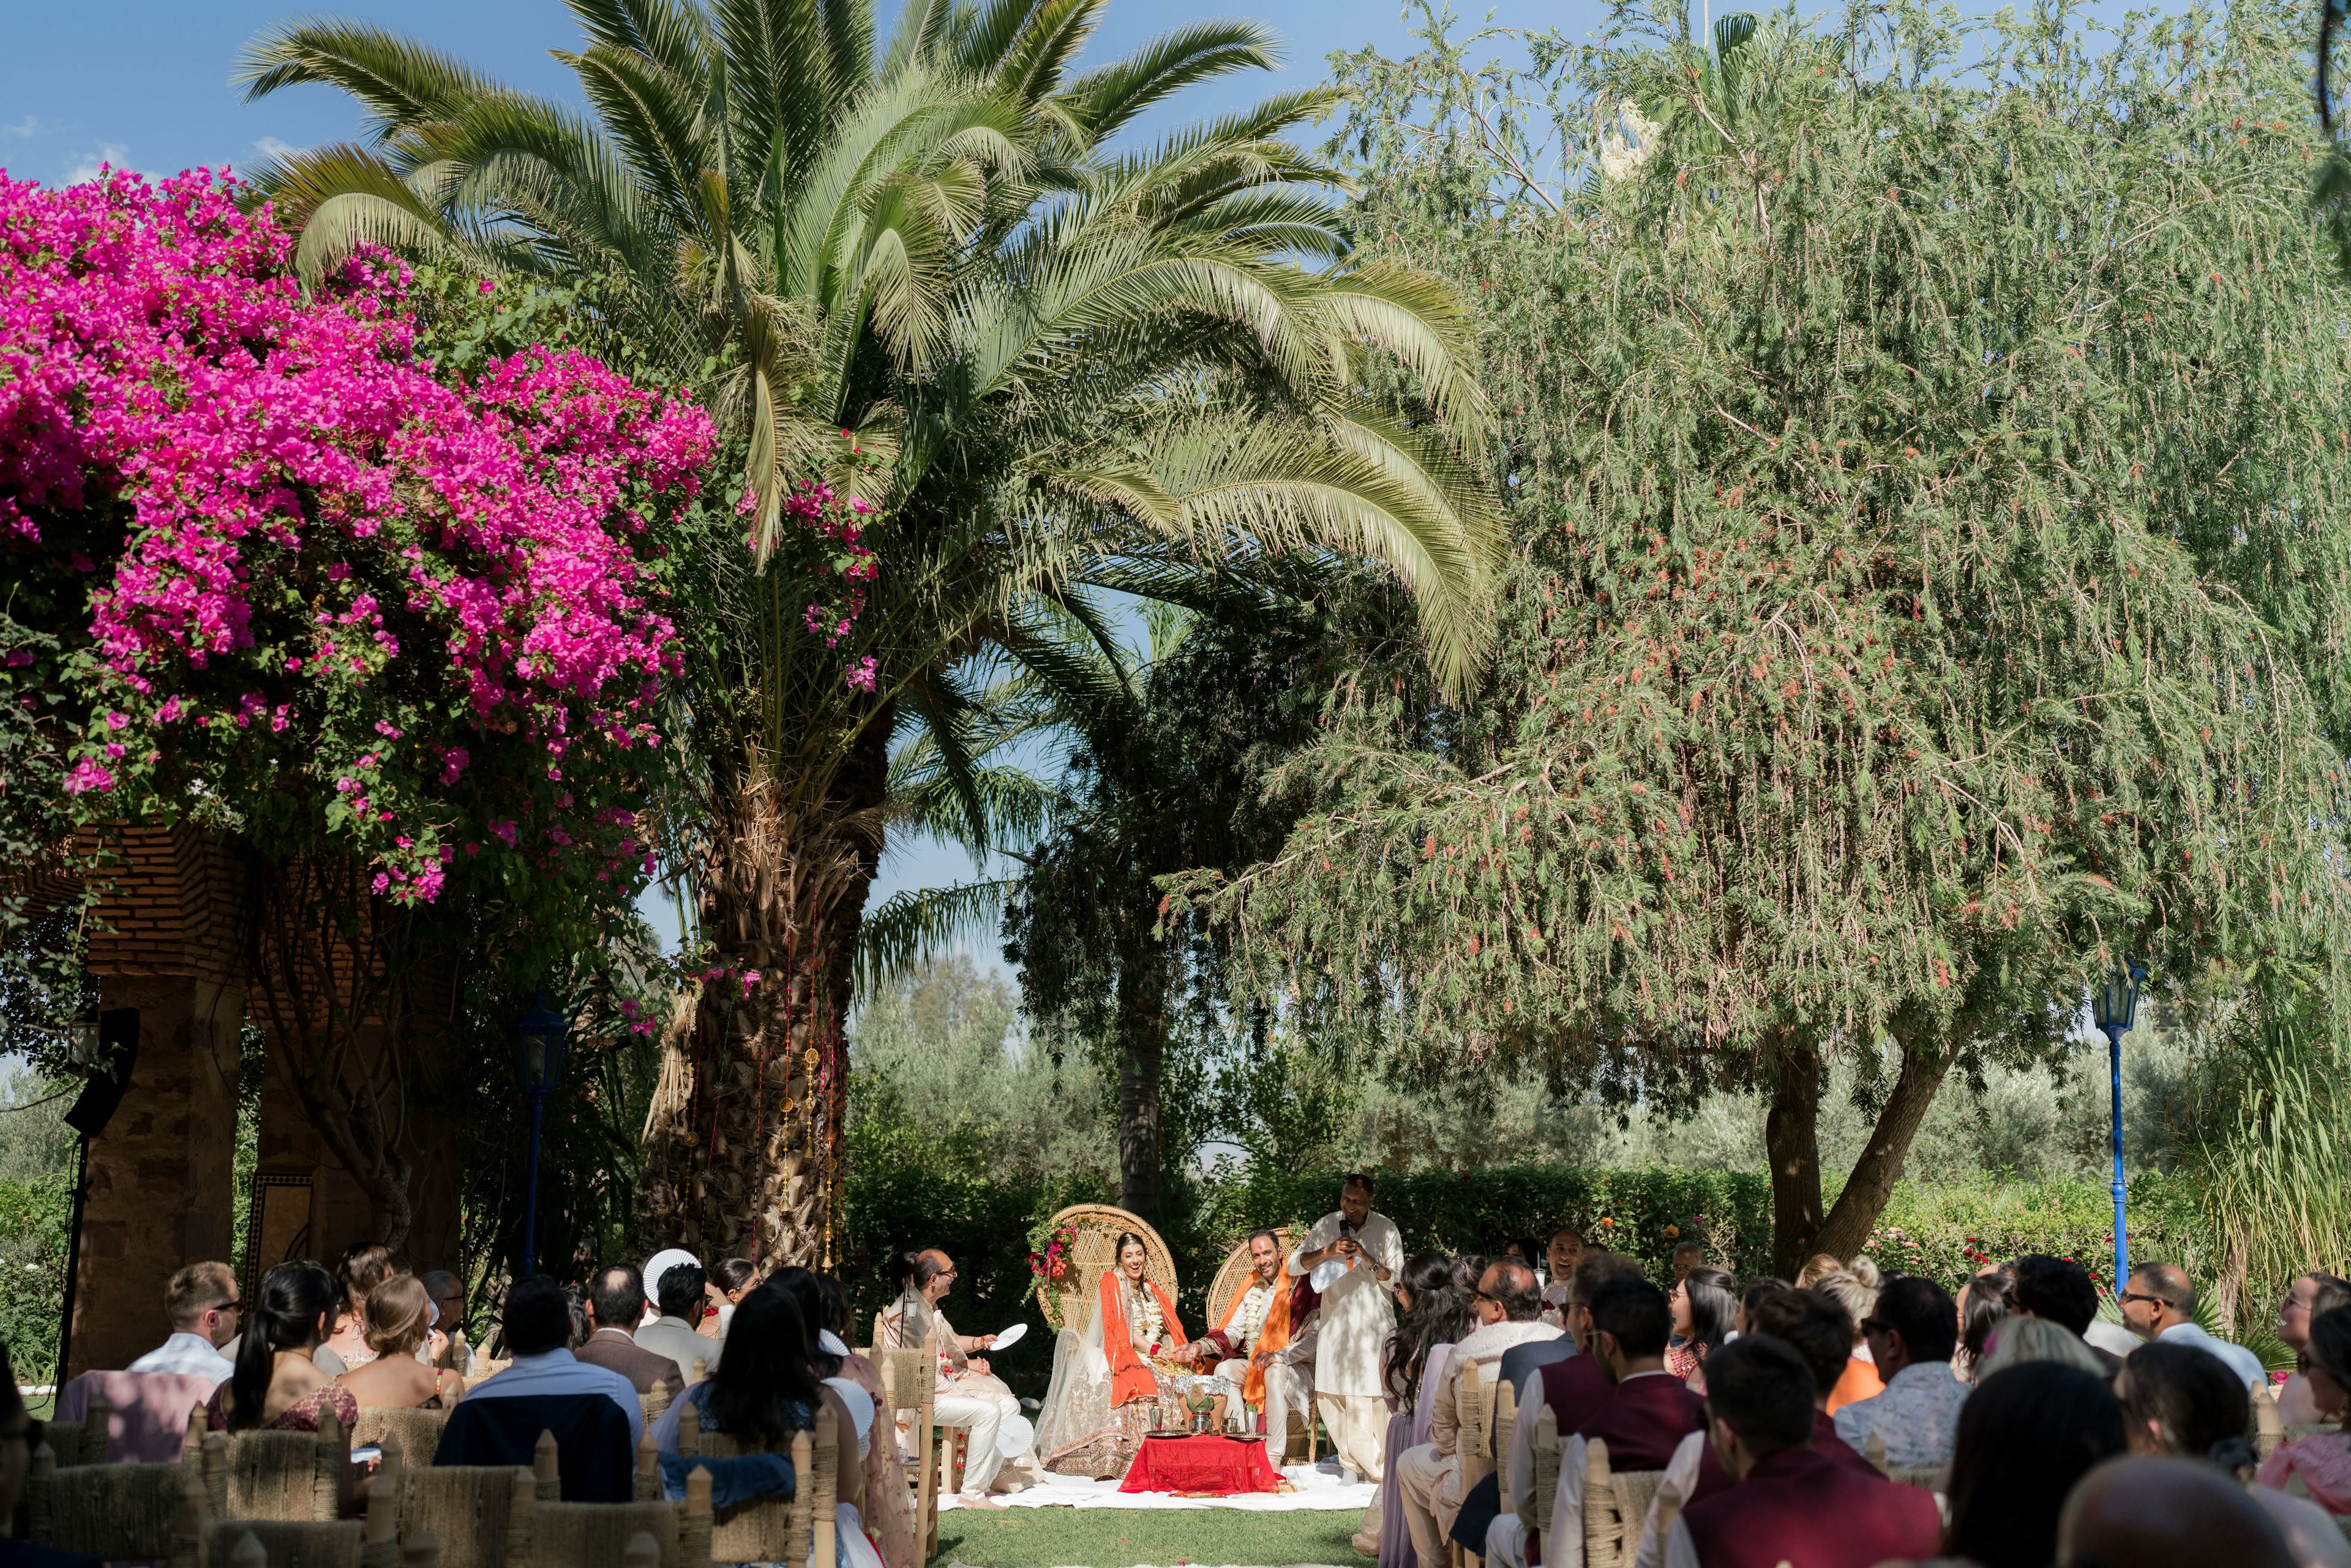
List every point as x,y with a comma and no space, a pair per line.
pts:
1318,1489
1358,1310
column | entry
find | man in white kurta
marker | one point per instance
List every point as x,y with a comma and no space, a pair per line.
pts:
1357,1314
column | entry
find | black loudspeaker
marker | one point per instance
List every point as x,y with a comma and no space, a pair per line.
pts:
109,1074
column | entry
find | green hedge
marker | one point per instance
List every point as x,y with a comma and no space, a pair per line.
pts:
35,1230
1950,1231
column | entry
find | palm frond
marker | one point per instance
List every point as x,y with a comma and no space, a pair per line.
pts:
398,81
910,926
1103,101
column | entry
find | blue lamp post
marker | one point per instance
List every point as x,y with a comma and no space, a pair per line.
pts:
2114,1004
540,1034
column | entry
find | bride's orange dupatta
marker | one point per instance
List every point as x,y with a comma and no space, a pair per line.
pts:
1131,1376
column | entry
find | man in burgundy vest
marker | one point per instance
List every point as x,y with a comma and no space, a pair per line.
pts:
1646,1414
1791,1502
1573,1391
1816,1327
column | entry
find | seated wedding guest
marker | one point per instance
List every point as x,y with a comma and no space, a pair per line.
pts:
1855,1290
1521,1367
1984,1303
1433,1316
1910,1338
1505,1311
677,1290
1573,1391
1245,1349
447,1344
202,1304
2178,1400
1565,1247
1817,1266
1648,1414
616,1296
2159,1303
734,1278
766,1388
2059,1290
2309,1297
2022,1340
889,1508
1705,1307
2319,1465
278,1384
970,1394
18,1436
1687,1255
2164,1511
1817,1329
364,1266
1790,1503
396,1314
538,1326
2027,1434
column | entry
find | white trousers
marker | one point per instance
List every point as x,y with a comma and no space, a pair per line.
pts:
1358,1425
1289,1391
979,1416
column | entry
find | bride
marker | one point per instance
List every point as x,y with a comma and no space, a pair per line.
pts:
1107,1379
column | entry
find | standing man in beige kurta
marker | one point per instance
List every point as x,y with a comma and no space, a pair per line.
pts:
1358,1313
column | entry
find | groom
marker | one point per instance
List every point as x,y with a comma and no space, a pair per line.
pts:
1252,1348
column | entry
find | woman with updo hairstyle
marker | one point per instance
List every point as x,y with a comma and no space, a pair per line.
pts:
396,1317
365,1265
734,1278
1985,1303
276,1384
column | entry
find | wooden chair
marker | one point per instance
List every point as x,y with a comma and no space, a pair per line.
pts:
1546,1446
84,1444
1615,1503
291,1476
116,1512
1235,1273
2269,1432
654,1402
1873,1449
1505,1429
480,1515
799,1530
414,1435
305,1543
1473,1403
604,1534
1069,1301
910,1385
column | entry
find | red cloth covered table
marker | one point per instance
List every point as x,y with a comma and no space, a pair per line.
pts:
1208,1464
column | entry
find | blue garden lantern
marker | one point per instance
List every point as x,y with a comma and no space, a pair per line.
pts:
2114,1007
540,1036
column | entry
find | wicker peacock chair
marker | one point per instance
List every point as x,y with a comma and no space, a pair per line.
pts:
1069,1302
1236,1274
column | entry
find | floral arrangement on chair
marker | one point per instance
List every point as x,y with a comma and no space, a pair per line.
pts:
1050,1248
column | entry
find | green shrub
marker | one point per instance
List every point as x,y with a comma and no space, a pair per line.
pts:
1951,1231
36,1230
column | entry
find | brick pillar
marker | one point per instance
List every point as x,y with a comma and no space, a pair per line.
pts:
158,1175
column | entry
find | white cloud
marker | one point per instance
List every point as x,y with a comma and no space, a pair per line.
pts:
24,130
271,147
113,154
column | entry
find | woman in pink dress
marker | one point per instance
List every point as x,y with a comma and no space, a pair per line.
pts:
2319,1466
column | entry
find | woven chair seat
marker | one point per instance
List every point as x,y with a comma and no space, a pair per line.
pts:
1093,1229
604,1534
1615,1503
480,1514
796,1529
290,1544
415,1433
270,1474
116,1512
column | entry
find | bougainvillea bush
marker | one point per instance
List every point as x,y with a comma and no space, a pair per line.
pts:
273,566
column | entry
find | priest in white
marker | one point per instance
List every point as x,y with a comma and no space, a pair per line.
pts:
1357,1314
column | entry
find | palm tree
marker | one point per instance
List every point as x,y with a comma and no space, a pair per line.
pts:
1056,367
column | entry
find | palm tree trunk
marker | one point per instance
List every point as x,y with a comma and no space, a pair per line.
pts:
743,1141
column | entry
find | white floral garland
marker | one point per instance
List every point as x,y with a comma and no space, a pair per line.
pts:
1154,1320
1251,1318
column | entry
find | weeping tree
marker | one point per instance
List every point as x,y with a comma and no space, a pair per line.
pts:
979,365
1928,573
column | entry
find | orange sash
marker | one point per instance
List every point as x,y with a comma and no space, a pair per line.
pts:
1273,1334
1131,1376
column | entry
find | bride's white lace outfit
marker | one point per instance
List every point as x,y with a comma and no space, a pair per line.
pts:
1084,1430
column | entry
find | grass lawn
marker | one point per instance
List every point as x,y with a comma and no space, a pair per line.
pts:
1115,1538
